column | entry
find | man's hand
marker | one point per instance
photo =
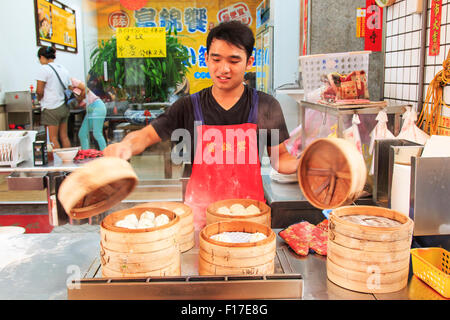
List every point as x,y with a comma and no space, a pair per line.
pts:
120,150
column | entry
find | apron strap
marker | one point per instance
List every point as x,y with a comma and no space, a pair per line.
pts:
198,115
253,115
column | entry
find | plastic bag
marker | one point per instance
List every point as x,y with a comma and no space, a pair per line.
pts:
379,132
352,134
409,129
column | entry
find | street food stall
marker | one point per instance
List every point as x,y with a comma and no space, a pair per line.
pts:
364,217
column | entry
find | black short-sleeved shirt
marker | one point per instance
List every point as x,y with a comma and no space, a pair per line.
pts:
181,115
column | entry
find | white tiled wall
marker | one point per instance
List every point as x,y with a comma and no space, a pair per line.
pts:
402,47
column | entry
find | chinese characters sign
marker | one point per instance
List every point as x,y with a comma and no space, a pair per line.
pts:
435,27
374,30
141,42
190,19
55,24
238,11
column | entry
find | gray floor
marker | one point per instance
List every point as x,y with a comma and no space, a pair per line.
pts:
68,228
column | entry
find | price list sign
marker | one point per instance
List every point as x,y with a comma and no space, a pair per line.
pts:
141,42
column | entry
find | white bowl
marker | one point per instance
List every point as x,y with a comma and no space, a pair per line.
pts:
66,154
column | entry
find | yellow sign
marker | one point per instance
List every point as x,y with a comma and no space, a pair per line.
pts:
191,19
56,25
141,42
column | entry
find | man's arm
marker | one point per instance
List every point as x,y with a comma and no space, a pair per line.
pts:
40,89
281,160
134,143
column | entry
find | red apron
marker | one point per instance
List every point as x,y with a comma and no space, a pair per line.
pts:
226,163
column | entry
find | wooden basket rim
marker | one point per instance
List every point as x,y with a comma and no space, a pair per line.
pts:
312,199
262,204
268,232
175,204
174,219
336,216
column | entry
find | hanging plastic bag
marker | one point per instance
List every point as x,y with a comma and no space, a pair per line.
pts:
379,132
352,134
294,144
409,129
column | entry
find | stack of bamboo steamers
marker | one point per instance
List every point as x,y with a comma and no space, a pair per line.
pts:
368,246
100,184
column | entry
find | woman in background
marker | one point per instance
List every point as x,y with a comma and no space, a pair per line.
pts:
50,92
95,115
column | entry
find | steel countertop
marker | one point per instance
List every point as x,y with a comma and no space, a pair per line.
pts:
38,266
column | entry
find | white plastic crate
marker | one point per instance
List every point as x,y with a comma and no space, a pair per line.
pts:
16,147
314,68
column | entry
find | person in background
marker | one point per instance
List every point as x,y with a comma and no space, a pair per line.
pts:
250,79
54,111
94,118
228,108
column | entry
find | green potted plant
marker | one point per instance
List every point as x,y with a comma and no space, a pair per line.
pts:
141,80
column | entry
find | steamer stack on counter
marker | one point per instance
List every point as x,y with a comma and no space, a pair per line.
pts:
140,252
368,246
225,258
99,185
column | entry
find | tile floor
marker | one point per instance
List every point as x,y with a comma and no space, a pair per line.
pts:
68,228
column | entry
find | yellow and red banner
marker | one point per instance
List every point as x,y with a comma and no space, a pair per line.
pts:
435,27
55,24
191,19
360,22
374,27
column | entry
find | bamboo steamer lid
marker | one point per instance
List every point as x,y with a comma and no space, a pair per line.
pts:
331,173
96,187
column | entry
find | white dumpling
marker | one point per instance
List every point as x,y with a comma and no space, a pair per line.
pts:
222,237
223,210
145,223
252,209
147,215
257,236
161,220
125,224
237,209
132,219
179,211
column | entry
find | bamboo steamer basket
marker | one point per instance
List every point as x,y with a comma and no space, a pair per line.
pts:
369,258
331,173
222,258
140,252
95,188
264,217
186,234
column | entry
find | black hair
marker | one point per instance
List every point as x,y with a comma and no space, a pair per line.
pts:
47,52
234,32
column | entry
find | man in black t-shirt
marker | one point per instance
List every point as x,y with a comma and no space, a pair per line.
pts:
227,123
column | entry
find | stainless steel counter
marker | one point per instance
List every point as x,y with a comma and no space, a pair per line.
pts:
38,266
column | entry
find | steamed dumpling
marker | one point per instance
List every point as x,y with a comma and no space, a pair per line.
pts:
178,211
252,209
147,215
223,237
145,223
223,210
237,209
131,218
257,236
161,220
125,224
